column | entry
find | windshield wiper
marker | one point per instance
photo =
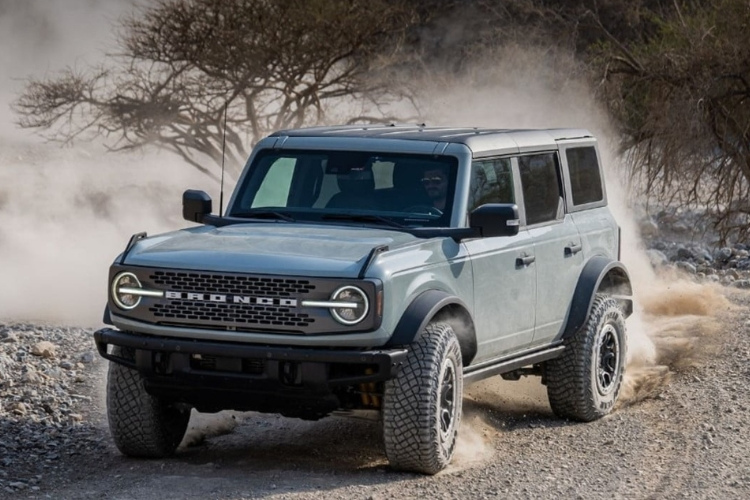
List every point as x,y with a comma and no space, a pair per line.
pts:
363,218
265,214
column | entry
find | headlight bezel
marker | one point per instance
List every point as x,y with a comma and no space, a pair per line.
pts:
365,302
116,285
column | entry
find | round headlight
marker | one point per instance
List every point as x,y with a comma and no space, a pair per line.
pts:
355,305
122,283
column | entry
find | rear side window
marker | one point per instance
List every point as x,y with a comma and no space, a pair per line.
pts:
491,182
542,192
585,176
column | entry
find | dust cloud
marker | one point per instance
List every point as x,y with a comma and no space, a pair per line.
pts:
67,215
473,443
522,87
68,212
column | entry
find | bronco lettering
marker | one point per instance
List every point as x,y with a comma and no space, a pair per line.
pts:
232,299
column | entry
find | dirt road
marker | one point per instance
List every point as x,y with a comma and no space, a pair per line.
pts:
681,436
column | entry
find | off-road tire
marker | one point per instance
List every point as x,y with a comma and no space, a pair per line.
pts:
422,405
585,381
141,424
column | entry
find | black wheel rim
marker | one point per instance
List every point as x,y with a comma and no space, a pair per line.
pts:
608,365
447,412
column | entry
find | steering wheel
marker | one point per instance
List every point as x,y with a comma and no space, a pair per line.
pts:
424,209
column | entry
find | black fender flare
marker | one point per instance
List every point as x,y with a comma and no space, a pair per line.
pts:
442,306
599,273
107,316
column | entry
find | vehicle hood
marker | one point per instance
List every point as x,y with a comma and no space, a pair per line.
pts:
266,248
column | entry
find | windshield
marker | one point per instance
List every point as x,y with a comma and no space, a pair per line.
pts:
374,188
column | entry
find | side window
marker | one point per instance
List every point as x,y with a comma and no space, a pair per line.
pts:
382,171
585,177
542,193
491,182
274,190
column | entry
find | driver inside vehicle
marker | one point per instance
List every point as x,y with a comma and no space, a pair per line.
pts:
435,182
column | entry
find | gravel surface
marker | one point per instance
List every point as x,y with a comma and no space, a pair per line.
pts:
46,380
680,435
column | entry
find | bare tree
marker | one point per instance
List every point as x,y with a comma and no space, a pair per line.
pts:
683,100
267,64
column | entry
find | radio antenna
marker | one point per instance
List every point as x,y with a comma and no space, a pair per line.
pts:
223,149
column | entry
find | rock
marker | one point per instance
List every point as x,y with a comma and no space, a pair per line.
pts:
19,409
44,349
744,284
684,253
10,338
66,365
87,357
687,267
657,257
705,255
724,254
7,365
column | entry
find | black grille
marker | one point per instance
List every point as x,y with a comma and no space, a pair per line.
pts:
242,302
230,314
231,284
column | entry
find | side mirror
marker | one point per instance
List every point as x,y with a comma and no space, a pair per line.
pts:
495,219
195,205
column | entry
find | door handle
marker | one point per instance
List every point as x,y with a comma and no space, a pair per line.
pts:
525,260
573,248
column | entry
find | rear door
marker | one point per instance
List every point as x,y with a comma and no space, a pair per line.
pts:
587,202
557,243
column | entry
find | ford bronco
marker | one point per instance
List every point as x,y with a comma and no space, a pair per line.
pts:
374,268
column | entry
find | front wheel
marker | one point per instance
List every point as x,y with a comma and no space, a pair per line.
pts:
141,424
422,405
585,381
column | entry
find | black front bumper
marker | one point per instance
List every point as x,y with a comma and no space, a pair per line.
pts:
223,375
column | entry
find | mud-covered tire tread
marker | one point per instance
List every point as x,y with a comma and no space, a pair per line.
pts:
410,428
141,425
570,388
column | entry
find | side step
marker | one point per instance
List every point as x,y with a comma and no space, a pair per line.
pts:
498,367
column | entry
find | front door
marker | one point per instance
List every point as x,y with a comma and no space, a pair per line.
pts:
504,273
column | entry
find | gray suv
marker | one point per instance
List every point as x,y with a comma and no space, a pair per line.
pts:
374,268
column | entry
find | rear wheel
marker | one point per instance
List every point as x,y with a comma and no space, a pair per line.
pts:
422,405
585,381
141,424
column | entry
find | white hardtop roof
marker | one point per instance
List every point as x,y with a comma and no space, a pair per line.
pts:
477,139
